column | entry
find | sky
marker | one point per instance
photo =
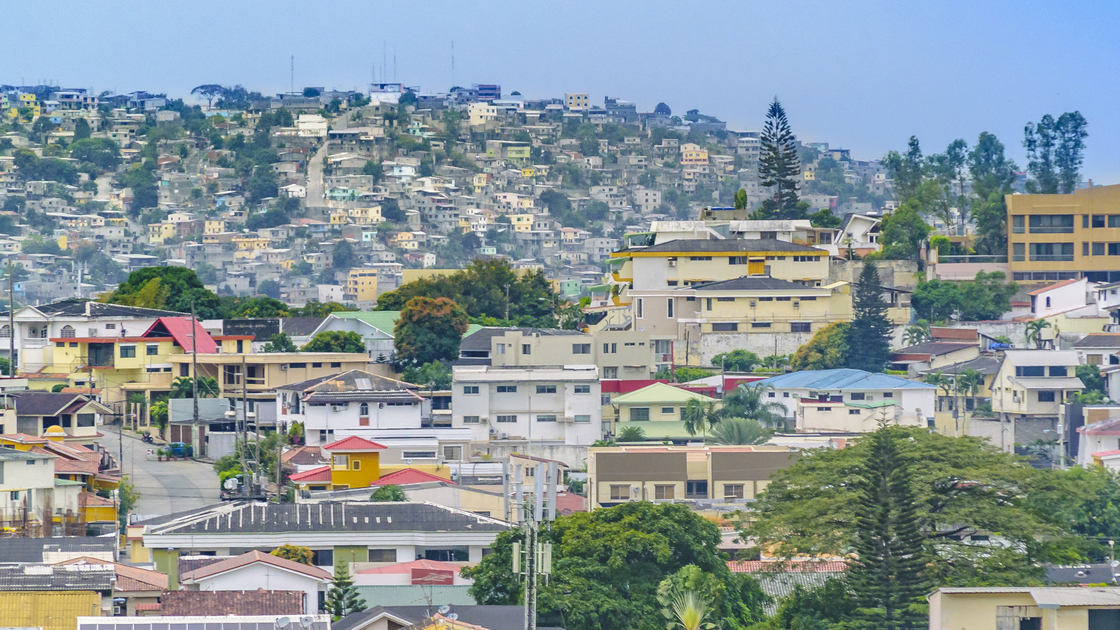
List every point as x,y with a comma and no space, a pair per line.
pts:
858,75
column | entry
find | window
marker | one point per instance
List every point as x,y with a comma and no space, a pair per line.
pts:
669,308
1046,396
506,419
60,344
185,370
1098,249
297,365
507,389
1059,370
152,350
857,396
382,555
737,260
546,389
1098,221
1018,251
1052,252
500,348
110,326
639,414
336,364
610,372
583,419
1030,370
128,352
663,492
582,389
1114,220
471,420
888,394
355,465
548,417
6,331
68,331
526,349
341,461
725,327
314,365
696,490
760,324
699,257
620,492
733,491
1084,249
470,389
363,409
785,394
452,453
322,557
824,409
640,309
418,454
853,412
1114,249
668,411
581,348
1055,223
604,399
800,327
725,299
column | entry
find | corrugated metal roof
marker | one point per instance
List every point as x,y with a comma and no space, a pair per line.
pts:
1050,383
842,378
658,393
1041,357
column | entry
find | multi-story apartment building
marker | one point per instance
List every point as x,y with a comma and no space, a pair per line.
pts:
1055,237
577,101
705,475
545,411
1028,397
361,285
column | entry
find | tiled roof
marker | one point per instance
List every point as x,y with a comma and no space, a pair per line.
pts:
751,283
190,563
329,516
1056,285
129,579
726,245
407,567
771,566
322,473
489,617
254,557
179,329
303,456
842,378
23,438
941,333
353,443
1099,340
407,476
221,603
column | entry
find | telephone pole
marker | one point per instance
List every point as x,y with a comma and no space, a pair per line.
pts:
11,322
194,365
538,556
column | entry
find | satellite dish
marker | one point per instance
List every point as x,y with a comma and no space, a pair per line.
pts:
453,616
1115,563
231,484
283,622
443,610
306,621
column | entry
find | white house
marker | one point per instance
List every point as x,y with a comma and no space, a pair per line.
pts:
816,399
860,232
1066,296
257,569
529,407
28,486
375,327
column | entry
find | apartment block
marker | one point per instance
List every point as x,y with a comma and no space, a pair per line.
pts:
1056,237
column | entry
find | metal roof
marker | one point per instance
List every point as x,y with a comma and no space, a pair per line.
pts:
842,378
72,577
753,283
725,245
27,550
658,393
1099,340
1071,382
1041,357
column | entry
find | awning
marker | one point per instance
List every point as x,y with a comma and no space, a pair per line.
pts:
1050,383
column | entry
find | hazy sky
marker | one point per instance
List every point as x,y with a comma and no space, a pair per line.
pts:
862,75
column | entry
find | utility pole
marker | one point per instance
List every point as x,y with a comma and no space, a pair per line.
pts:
194,365
11,322
538,556
245,431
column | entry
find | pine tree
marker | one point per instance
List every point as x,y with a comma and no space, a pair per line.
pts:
779,165
343,598
870,331
888,574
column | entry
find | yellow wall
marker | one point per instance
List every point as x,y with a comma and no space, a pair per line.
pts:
360,471
50,610
1083,204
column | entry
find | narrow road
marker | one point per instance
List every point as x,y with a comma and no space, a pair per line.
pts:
316,188
164,487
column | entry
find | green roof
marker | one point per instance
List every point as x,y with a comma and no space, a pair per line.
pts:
658,393
875,404
67,482
386,321
658,429
416,595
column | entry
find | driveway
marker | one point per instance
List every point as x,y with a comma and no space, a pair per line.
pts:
164,487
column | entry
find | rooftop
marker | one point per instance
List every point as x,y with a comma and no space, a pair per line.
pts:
254,557
842,378
753,283
660,393
259,602
724,245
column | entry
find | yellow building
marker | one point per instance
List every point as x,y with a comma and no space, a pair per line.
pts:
1020,607
656,409
365,216
693,155
49,610
521,222
404,240
214,226
339,217
1055,237
251,243
161,232
355,462
361,285
577,101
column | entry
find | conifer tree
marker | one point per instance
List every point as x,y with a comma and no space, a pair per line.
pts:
888,574
779,165
870,331
342,597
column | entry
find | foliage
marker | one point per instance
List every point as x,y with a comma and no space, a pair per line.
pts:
888,572
779,166
869,333
316,308
827,349
434,375
342,255
280,342
101,152
752,402
917,333
1055,151
734,430
738,360
480,290
682,374
1090,375
959,485
686,597
985,297
342,596
698,416
295,553
158,413
630,549
335,341
169,288
824,218
183,387
813,609
429,330
632,434
1034,332
903,232
389,493
127,496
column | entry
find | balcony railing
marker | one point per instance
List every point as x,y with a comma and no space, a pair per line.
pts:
1052,258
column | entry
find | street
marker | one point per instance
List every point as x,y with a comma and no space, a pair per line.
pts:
164,487
316,187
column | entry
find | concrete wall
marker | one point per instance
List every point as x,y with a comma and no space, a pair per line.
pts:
759,343
961,272
892,273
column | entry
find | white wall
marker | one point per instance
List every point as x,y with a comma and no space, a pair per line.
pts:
1062,299
527,406
347,417
268,577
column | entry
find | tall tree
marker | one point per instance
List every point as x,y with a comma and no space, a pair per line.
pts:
948,170
990,169
429,330
1068,155
903,232
779,165
888,571
828,349
869,333
1054,152
342,596
335,341
209,91
906,171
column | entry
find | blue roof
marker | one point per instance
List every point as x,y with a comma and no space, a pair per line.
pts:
843,378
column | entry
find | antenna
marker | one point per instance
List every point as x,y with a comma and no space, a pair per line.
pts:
293,74
394,64
452,63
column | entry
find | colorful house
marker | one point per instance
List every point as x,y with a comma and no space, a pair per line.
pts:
355,463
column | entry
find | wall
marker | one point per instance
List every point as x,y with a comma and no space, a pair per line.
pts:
49,610
961,272
572,455
268,577
972,611
759,343
900,274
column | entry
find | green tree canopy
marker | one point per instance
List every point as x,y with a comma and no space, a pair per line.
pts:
779,166
903,232
434,375
169,288
295,553
738,360
869,333
429,330
335,341
280,342
101,152
827,349
389,493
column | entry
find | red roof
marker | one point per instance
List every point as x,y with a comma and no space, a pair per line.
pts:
625,387
406,476
179,329
1106,454
322,473
799,566
252,557
407,567
353,443
1056,285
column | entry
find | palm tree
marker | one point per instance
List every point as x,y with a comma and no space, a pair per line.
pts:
697,416
690,609
183,387
917,333
1034,332
739,431
750,401
632,434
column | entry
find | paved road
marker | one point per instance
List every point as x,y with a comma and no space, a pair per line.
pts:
164,486
316,190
